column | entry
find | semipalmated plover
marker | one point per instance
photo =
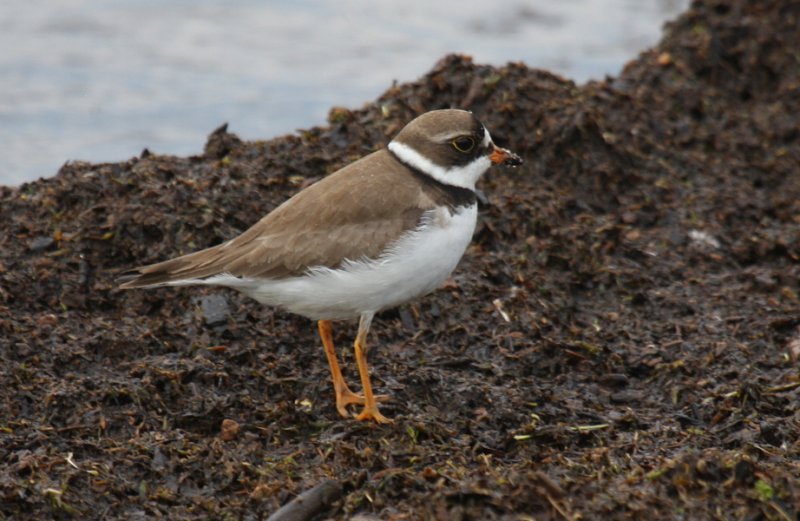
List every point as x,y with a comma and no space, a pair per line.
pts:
381,231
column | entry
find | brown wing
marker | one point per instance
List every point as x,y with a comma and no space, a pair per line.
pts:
376,200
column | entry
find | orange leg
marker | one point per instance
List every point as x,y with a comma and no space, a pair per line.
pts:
344,396
370,411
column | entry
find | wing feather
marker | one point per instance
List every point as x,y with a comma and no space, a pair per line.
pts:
371,211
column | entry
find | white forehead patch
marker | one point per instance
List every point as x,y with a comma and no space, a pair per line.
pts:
487,139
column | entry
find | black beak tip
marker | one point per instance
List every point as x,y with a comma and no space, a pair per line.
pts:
513,160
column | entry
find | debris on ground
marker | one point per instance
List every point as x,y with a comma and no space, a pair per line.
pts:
619,342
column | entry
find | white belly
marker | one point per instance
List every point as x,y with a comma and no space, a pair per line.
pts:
416,264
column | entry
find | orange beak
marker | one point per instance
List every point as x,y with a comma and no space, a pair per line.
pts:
503,156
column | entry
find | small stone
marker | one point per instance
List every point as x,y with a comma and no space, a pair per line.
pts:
41,243
614,379
159,461
46,320
230,430
215,309
629,396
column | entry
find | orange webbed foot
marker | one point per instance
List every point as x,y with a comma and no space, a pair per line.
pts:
346,397
372,413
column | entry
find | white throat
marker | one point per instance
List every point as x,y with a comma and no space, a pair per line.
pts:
464,176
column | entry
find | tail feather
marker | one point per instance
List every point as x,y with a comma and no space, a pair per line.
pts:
194,266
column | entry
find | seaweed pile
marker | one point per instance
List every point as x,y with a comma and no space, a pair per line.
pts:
621,340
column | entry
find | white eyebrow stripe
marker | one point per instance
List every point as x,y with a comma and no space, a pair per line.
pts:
444,137
465,176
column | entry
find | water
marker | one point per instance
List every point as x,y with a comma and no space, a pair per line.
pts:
100,81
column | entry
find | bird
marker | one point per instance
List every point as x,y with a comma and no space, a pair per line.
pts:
381,231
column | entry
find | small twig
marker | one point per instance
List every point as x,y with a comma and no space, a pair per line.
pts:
554,503
309,503
781,512
498,305
69,460
589,428
781,388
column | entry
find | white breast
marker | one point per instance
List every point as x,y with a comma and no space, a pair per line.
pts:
416,264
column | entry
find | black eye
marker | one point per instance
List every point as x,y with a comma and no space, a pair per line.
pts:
464,144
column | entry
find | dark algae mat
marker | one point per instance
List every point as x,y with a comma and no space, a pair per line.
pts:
620,341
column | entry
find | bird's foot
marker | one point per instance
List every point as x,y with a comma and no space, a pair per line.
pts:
346,397
372,413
